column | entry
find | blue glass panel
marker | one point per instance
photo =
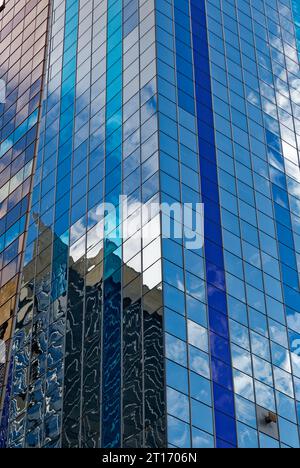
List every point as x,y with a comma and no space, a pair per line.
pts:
220,348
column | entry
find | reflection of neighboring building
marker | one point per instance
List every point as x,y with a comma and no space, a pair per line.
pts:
120,340
58,354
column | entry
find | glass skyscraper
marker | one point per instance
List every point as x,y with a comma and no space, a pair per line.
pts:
148,339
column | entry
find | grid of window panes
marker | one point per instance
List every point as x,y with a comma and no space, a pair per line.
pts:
173,101
23,27
260,149
185,315
296,17
44,305
254,71
88,343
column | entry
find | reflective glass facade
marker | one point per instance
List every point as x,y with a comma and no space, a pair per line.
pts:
142,340
23,38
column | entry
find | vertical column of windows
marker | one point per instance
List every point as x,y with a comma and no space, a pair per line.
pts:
132,329
222,374
21,69
112,298
296,14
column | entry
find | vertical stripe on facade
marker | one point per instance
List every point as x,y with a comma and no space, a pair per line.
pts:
222,376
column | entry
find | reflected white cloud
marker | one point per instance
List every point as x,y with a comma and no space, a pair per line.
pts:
178,404
243,385
265,396
197,336
176,350
283,382
262,371
179,433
